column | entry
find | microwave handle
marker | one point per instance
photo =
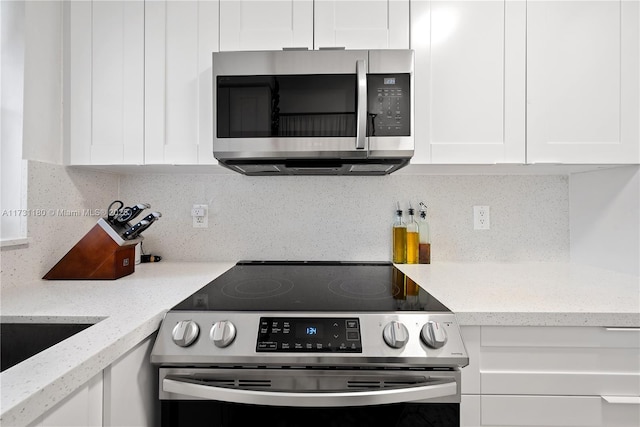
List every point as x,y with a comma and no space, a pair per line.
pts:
361,118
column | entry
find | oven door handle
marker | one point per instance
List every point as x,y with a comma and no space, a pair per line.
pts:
439,389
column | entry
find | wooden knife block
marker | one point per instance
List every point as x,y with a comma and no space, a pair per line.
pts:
100,255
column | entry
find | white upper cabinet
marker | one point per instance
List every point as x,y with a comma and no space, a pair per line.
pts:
180,37
105,78
265,24
278,24
469,81
361,24
582,82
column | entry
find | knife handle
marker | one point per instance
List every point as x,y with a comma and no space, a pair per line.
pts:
133,231
130,213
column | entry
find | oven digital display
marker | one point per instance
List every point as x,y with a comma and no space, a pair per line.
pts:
315,331
291,334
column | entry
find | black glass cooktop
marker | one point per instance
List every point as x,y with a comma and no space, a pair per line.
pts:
312,286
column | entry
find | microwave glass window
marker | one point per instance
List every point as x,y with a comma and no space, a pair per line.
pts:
286,106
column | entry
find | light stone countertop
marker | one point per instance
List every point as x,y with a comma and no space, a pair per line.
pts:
130,309
532,294
127,310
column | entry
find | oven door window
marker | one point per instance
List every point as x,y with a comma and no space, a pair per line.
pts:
286,106
222,414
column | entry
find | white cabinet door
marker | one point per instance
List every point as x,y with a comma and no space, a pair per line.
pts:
583,89
83,408
470,81
180,37
361,24
106,82
265,24
130,389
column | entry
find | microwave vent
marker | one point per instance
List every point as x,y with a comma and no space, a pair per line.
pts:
371,168
258,169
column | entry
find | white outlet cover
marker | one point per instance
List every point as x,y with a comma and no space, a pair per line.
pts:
481,218
200,221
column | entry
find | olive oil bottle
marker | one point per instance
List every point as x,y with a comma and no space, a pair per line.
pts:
412,238
399,238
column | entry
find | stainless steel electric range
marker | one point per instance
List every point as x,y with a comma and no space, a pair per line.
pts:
284,341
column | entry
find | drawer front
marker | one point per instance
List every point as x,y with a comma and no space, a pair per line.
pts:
561,383
559,361
557,336
552,411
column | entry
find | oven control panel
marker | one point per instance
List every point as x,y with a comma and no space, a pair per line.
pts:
307,334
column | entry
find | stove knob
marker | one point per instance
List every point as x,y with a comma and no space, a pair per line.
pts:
185,333
395,334
433,334
223,333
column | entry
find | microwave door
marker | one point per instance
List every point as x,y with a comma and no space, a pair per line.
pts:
293,115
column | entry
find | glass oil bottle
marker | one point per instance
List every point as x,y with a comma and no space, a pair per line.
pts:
424,247
399,238
412,238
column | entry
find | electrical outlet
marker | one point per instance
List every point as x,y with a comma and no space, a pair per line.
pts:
481,218
200,215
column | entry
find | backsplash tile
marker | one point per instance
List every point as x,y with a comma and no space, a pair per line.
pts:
349,218
319,218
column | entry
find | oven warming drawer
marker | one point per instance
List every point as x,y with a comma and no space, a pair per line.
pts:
309,387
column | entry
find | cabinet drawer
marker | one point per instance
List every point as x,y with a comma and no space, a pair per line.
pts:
561,383
548,411
560,361
556,336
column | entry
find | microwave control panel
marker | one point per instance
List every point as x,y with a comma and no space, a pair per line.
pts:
389,105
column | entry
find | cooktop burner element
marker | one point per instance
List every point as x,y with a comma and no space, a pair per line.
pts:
312,286
257,288
359,289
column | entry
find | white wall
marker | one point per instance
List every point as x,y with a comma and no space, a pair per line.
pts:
349,218
605,218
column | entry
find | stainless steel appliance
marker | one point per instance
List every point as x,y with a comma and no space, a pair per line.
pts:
327,112
282,341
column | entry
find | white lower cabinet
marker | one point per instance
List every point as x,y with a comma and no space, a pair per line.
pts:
124,394
83,408
551,376
130,389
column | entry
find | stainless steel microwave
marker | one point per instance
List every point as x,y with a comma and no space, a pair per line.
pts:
326,112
